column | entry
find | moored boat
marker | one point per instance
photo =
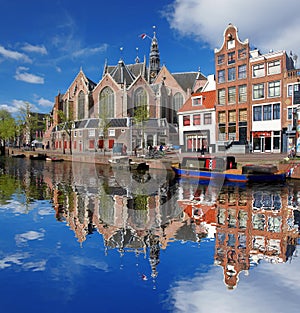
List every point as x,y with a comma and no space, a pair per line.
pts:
39,156
225,168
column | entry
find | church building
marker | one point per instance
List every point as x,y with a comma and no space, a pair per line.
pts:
132,106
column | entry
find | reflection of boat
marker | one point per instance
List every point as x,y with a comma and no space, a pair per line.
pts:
54,159
20,155
216,167
39,156
126,163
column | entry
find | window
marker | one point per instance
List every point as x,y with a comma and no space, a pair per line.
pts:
258,91
257,111
111,132
258,70
290,90
197,101
231,74
177,101
221,96
290,114
231,58
276,111
221,58
207,119
106,103
221,76
232,116
232,95
230,44
274,89
186,120
274,67
242,53
222,117
140,97
81,105
196,119
242,93
91,132
267,112
242,71
243,115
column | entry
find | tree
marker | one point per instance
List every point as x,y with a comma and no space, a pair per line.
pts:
27,122
141,115
67,126
104,118
7,127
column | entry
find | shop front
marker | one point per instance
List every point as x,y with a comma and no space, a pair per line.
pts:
196,142
266,141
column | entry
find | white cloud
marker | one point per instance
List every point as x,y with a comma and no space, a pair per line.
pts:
9,108
45,103
23,75
14,55
268,24
254,293
30,235
90,51
37,49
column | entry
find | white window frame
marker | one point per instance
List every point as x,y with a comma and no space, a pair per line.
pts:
111,133
258,70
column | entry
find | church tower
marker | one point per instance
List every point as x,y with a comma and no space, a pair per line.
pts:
154,66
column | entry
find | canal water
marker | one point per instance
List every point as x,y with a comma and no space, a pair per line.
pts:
78,237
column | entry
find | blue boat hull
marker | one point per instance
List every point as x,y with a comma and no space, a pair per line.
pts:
230,177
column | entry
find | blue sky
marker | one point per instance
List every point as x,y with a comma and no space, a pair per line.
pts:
43,44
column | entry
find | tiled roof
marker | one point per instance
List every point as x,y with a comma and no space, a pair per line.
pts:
187,80
118,122
208,102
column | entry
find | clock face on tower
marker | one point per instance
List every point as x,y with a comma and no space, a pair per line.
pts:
153,74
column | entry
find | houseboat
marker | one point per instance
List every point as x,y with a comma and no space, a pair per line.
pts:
206,168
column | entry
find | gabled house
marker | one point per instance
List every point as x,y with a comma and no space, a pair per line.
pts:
197,120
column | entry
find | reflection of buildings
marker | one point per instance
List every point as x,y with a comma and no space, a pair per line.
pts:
253,225
129,218
249,224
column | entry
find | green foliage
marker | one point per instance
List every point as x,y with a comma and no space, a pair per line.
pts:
141,114
7,126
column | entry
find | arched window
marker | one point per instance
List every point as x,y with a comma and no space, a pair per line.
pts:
106,103
177,101
177,104
80,105
140,97
65,108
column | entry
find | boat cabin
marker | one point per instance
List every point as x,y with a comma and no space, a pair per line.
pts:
209,163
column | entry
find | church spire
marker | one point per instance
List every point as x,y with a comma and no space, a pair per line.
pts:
154,65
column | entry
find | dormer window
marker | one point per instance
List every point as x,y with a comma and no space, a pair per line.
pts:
197,101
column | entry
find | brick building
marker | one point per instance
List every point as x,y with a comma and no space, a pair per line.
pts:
103,114
253,95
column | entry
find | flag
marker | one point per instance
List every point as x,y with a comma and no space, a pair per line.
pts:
143,36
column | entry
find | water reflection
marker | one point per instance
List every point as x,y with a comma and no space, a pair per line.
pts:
143,213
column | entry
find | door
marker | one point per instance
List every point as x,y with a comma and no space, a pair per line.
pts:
262,144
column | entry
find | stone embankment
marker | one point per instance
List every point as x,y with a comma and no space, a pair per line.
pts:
281,160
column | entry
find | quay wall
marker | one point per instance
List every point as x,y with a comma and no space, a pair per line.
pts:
281,160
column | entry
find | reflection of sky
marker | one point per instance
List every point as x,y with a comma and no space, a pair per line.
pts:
268,288
40,252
